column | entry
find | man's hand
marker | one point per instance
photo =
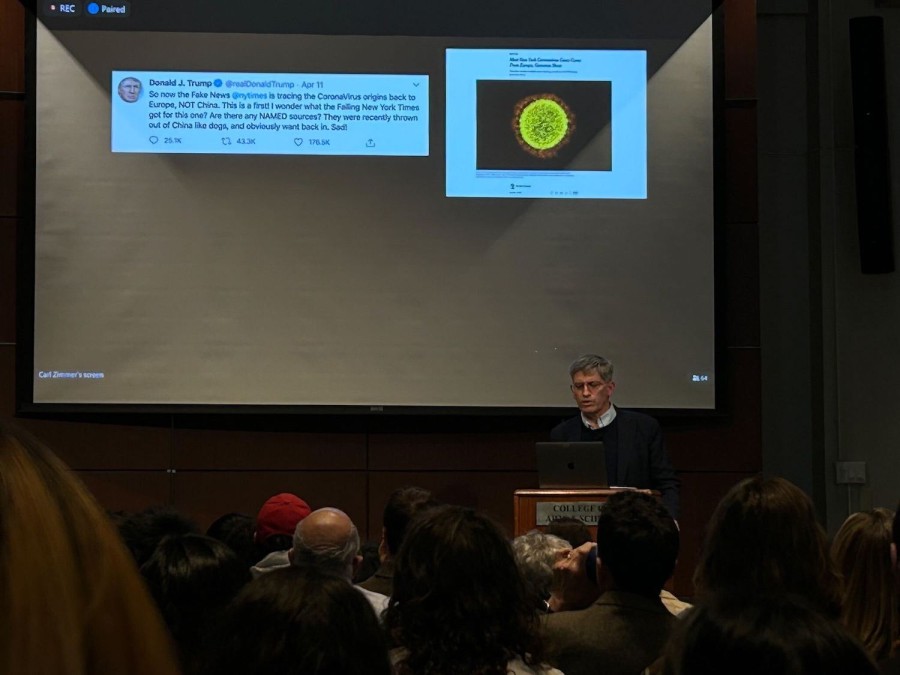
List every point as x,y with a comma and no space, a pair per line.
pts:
572,589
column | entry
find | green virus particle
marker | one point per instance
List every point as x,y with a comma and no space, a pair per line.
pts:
542,124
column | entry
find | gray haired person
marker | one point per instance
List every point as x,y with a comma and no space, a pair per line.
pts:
536,554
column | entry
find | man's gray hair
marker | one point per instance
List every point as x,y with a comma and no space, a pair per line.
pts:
336,559
588,362
535,554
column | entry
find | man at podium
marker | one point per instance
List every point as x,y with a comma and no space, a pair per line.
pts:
635,450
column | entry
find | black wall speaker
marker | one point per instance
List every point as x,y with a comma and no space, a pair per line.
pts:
872,155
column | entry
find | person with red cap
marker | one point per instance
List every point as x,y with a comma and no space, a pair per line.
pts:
275,525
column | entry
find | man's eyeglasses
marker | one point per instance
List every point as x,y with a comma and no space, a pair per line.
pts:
592,386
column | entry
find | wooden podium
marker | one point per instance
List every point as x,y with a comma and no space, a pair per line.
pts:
532,507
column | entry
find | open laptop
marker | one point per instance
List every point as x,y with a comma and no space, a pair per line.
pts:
571,465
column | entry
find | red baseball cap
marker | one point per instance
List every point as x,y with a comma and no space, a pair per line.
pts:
280,515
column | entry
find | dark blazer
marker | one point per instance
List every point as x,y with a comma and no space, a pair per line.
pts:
382,581
620,634
642,461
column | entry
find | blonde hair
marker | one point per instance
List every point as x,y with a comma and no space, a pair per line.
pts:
861,551
71,599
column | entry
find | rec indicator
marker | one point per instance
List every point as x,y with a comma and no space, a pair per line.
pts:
62,8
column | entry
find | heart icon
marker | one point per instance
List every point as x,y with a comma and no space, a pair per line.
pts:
298,141
154,140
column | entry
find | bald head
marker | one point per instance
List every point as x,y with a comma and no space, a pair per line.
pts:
328,540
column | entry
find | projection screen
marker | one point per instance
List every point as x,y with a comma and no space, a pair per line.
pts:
372,204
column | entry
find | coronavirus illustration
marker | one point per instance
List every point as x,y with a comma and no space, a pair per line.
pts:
543,124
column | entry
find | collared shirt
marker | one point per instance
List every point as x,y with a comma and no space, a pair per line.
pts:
604,421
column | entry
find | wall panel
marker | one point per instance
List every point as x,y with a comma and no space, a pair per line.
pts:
12,46
740,163
12,130
442,452
206,495
85,445
219,449
740,49
127,490
7,279
7,380
741,276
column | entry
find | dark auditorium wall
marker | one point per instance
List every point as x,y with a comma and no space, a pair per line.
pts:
828,332
207,467
863,326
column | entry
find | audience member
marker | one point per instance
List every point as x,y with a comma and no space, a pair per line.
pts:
861,551
891,666
536,553
402,506
571,529
276,521
459,605
298,621
763,538
370,562
328,540
236,530
274,533
142,531
774,635
192,578
625,629
71,599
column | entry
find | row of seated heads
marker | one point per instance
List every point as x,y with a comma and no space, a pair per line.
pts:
193,577
773,596
767,590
